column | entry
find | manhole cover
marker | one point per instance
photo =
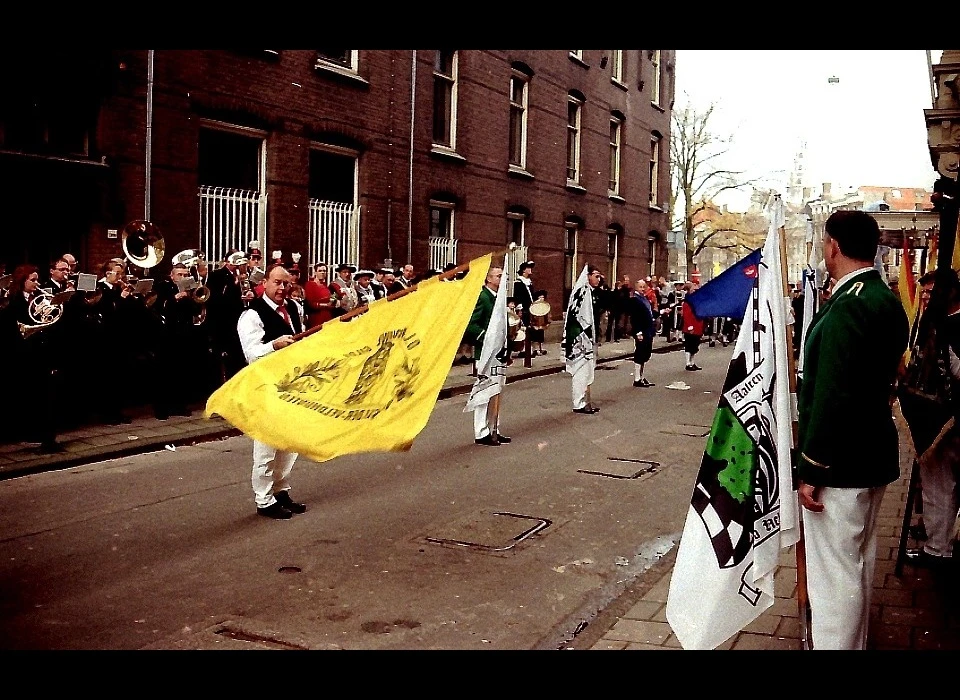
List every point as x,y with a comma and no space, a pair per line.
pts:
495,531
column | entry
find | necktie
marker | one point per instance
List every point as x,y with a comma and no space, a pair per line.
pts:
283,312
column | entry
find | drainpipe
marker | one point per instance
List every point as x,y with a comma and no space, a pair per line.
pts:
413,109
149,138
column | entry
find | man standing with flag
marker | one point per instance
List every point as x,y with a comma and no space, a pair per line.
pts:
266,326
580,339
848,445
487,332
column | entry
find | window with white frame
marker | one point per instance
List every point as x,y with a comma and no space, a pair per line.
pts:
443,244
652,254
445,99
613,250
340,58
616,133
574,110
516,228
655,82
616,66
571,271
516,235
654,167
519,84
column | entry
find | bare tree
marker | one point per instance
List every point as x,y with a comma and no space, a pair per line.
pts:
697,179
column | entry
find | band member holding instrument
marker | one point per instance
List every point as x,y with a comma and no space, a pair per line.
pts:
539,320
523,291
29,368
177,348
223,311
117,318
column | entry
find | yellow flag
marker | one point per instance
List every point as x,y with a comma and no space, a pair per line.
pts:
364,385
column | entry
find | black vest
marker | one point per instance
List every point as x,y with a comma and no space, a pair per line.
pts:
273,324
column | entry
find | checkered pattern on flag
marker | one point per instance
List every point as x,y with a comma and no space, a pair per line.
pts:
737,522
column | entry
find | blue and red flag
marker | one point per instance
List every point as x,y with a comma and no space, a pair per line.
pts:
727,294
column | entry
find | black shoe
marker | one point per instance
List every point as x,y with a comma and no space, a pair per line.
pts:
695,367
161,416
488,440
920,558
49,448
587,409
276,511
503,439
283,498
643,382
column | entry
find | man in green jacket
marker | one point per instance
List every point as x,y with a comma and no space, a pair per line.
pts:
485,403
848,447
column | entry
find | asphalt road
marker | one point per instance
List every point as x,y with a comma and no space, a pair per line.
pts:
448,546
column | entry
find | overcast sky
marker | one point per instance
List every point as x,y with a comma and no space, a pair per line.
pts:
865,129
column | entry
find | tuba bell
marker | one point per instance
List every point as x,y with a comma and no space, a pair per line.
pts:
142,243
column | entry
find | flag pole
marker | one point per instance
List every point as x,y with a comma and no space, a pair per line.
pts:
802,600
450,274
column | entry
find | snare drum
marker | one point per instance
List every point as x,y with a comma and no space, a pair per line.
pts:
513,323
539,314
517,342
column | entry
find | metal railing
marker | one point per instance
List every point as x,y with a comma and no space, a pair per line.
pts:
511,261
231,218
442,251
334,234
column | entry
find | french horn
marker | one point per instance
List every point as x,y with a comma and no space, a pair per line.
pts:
43,313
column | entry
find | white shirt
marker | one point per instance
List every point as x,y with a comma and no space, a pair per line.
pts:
251,332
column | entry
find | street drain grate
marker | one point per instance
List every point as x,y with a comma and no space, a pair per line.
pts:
539,524
290,570
651,468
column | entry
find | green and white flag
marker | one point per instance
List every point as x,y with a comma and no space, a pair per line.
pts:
492,365
579,334
744,507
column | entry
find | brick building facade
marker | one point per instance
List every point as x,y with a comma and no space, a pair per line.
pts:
368,157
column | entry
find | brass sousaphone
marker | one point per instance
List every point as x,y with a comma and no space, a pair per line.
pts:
142,243
143,246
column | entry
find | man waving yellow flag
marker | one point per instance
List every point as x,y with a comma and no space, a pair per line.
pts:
365,385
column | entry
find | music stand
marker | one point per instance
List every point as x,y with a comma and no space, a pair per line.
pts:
86,282
62,297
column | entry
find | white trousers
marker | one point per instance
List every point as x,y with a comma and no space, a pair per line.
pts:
271,473
580,389
482,423
938,487
841,553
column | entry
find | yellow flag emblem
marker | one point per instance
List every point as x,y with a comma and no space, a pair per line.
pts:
364,385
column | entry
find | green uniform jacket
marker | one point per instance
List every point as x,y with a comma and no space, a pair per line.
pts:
479,320
847,437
